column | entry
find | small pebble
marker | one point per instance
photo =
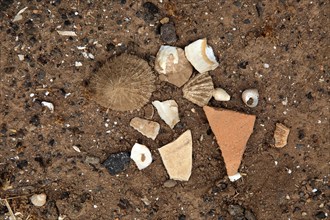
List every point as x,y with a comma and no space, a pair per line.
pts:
170,183
117,162
168,34
266,65
321,215
92,160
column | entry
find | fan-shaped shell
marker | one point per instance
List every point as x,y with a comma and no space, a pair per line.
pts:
124,83
199,90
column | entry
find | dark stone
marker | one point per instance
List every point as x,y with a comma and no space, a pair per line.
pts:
35,120
249,215
237,3
5,4
243,64
182,217
247,21
236,210
65,195
309,95
320,215
167,33
151,7
124,204
67,22
123,2
21,164
301,134
259,8
117,162
51,142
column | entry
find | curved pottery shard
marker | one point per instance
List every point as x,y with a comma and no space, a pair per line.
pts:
199,90
201,56
232,131
177,157
168,111
173,66
124,83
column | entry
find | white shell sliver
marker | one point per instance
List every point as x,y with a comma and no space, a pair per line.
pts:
201,56
235,177
168,111
163,54
141,156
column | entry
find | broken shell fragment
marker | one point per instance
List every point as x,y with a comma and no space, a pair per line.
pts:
199,89
141,155
168,111
201,56
173,66
177,157
124,83
281,135
220,95
148,128
250,97
38,199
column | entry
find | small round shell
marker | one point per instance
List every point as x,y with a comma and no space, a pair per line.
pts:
38,199
220,95
124,83
250,97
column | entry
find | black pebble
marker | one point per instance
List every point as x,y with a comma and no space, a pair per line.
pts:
320,215
21,164
151,7
309,95
35,120
110,47
117,163
301,134
182,217
168,34
243,64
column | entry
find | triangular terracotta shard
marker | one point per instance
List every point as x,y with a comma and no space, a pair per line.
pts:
177,157
232,131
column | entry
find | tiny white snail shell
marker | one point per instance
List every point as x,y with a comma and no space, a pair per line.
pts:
250,97
220,95
38,199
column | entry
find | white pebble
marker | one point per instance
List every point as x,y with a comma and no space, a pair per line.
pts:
266,65
49,105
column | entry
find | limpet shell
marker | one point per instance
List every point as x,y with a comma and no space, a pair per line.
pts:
199,89
124,83
250,97
38,199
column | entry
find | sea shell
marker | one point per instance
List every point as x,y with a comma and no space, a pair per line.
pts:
281,135
199,89
38,199
141,156
201,56
124,83
250,97
220,94
168,111
173,66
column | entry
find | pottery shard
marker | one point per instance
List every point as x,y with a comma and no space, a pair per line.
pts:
281,135
232,131
177,157
148,128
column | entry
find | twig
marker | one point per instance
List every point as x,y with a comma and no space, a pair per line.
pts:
9,209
